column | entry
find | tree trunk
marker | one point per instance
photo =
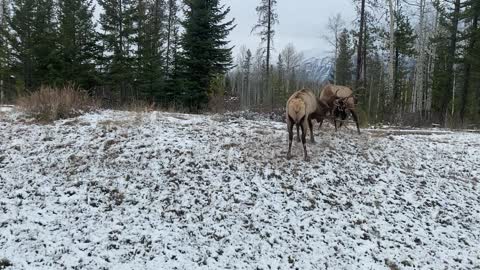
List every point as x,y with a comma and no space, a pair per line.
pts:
269,39
417,94
430,68
358,79
468,67
446,97
391,62
171,18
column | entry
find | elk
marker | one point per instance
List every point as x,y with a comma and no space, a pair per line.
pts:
302,107
341,101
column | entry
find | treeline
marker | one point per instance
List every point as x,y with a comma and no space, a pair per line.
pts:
136,50
409,62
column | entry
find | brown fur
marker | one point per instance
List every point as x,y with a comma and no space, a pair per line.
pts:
296,109
302,107
339,97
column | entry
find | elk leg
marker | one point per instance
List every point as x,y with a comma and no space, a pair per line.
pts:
321,123
344,117
290,138
304,140
355,117
335,123
298,132
310,126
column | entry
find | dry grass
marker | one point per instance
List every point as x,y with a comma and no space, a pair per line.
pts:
50,104
138,106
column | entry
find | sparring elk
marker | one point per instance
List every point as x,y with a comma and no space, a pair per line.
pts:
302,107
341,101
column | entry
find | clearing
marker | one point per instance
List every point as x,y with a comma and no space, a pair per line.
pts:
123,190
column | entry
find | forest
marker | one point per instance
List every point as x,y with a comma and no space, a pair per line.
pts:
409,62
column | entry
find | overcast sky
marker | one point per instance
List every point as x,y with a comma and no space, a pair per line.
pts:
302,23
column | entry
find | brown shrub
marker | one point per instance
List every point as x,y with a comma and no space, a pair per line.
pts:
50,104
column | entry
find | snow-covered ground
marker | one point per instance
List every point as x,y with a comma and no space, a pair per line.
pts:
122,190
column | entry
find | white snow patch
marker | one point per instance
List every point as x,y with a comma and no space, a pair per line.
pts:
122,190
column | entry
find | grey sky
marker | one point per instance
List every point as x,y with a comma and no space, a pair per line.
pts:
302,23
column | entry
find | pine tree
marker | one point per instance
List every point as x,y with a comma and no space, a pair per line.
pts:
174,83
404,47
205,53
267,18
172,29
4,52
344,60
246,67
279,86
79,48
117,39
443,78
4,49
46,47
149,42
34,40
471,74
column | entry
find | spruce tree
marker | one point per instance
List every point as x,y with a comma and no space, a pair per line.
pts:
344,60
4,50
79,48
172,26
117,39
443,77
404,47
149,22
205,54
246,70
267,18
33,38
471,62
46,47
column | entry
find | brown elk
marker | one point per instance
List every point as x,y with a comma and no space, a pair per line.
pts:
302,107
341,101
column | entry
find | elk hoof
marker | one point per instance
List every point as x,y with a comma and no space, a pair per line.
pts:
289,156
307,158
312,142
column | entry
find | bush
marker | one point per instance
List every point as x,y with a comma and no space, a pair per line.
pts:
50,104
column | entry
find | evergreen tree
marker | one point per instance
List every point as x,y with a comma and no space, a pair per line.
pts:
46,47
149,21
4,50
117,40
404,47
33,38
471,74
267,18
78,43
174,83
443,78
171,31
279,85
246,67
205,53
344,60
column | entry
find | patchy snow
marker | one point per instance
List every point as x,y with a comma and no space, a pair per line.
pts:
120,190
6,108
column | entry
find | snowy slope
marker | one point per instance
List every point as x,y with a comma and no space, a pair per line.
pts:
120,190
